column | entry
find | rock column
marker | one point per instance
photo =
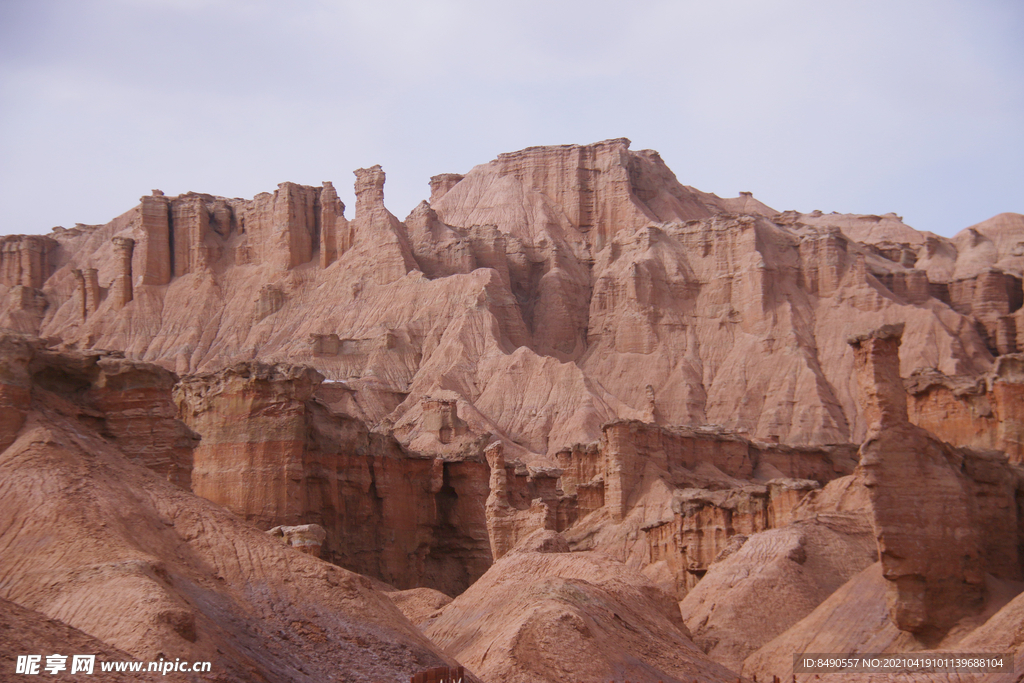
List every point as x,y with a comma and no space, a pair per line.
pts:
156,266
92,290
121,289
335,235
620,476
877,359
80,293
921,503
498,511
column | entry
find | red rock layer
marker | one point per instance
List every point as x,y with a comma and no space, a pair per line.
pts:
983,412
589,265
275,456
111,549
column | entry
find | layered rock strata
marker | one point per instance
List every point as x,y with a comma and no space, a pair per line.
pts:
942,516
273,454
646,298
146,569
127,402
982,412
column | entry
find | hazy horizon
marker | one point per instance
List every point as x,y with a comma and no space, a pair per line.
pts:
915,108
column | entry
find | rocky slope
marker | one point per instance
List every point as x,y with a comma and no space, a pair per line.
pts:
588,275
569,420
92,538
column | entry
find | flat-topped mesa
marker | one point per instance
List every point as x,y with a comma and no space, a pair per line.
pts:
877,359
440,184
190,233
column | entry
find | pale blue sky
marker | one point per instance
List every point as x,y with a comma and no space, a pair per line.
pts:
909,106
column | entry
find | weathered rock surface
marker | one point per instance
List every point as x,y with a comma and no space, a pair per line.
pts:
127,402
273,454
948,529
943,517
27,632
92,539
569,617
606,288
568,389
982,412
670,502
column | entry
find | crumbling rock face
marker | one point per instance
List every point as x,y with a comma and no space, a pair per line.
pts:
981,412
126,401
146,568
672,501
25,260
667,302
522,501
279,458
306,538
942,516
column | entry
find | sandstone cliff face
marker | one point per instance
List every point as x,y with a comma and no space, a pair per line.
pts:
589,273
126,402
564,350
942,517
667,502
276,456
983,412
948,530
94,539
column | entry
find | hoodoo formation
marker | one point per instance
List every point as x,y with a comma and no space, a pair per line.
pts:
570,420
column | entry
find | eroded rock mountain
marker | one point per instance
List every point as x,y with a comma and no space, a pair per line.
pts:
569,420
546,292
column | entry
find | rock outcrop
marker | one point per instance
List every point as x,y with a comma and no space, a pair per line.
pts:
275,455
569,390
306,538
982,412
127,402
942,516
669,303
145,568
671,501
